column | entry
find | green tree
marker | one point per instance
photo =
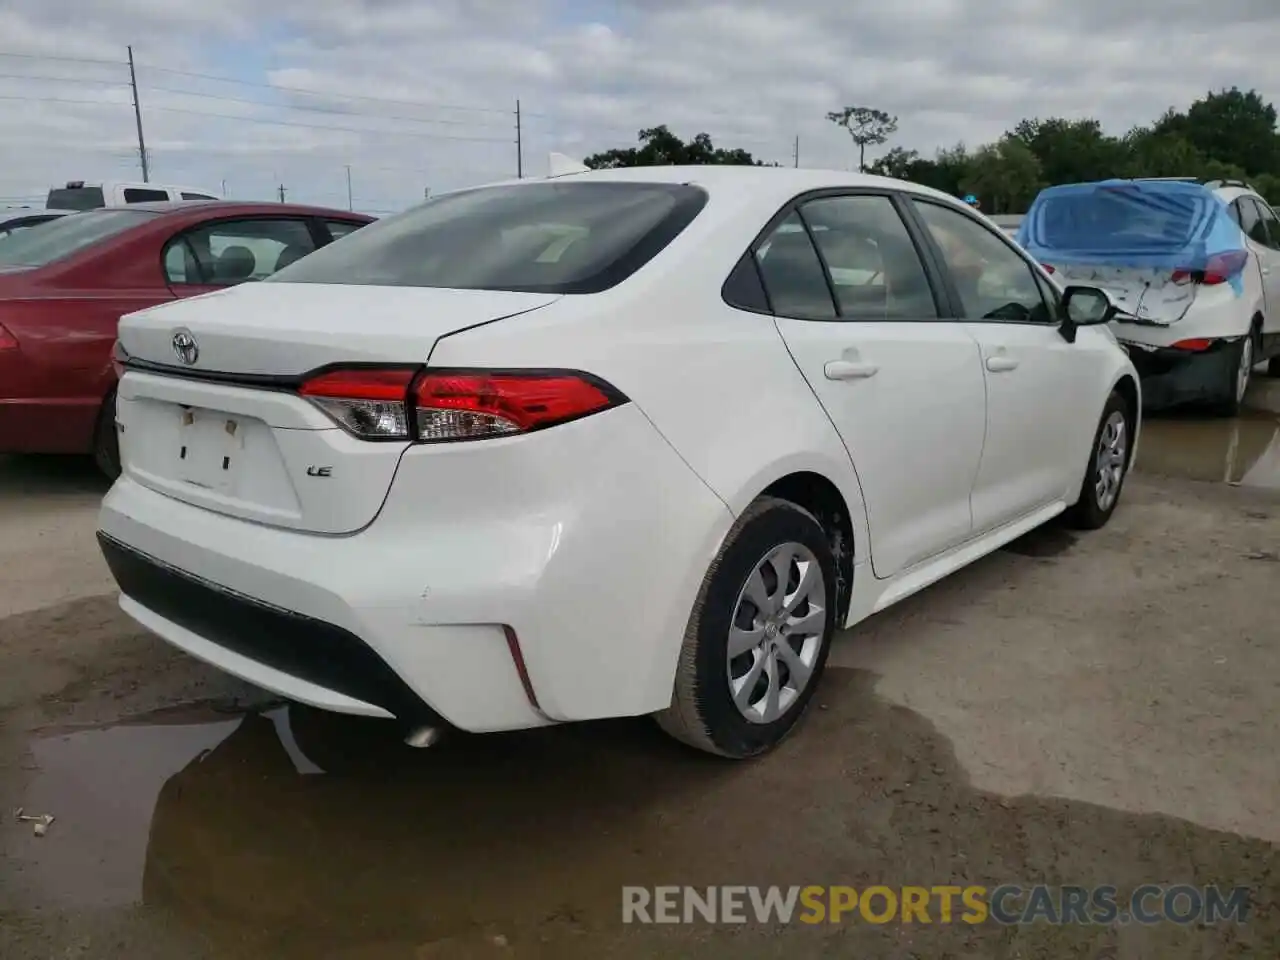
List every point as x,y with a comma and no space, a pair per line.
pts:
1072,151
1231,126
866,126
659,147
1005,176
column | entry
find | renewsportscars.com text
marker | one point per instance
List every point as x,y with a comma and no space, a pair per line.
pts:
1007,904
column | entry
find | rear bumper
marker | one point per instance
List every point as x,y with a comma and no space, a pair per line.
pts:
315,654
1172,376
587,542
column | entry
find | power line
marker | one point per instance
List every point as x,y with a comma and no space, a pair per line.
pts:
88,103
49,56
321,126
321,93
327,110
35,76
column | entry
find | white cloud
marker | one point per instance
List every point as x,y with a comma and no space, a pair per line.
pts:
413,93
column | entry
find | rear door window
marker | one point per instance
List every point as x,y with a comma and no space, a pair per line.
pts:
1270,225
197,196
232,251
1251,221
875,269
545,237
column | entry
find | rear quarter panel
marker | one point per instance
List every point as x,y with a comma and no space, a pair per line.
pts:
717,382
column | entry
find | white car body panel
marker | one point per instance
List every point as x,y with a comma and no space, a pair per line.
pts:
585,544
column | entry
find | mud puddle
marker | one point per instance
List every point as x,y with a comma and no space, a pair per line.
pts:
290,833
1243,450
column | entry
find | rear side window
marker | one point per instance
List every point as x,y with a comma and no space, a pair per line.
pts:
793,274
67,235
197,196
141,195
75,198
542,237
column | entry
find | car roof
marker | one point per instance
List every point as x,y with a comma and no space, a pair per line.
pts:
717,178
173,207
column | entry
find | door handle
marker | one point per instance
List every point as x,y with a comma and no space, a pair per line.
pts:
847,370
1001,364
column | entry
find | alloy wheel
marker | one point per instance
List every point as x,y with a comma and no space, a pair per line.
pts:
779,622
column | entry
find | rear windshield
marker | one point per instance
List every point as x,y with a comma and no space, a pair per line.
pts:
47,242
1123,217
75,198
544,237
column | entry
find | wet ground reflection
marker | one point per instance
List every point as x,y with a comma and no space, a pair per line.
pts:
291,834
1243,450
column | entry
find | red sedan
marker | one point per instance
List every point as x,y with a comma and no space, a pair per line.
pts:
65,284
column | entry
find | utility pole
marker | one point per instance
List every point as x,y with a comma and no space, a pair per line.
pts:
137,116
519,145
281,189
350,202
796,153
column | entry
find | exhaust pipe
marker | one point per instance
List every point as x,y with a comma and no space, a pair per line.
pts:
423,737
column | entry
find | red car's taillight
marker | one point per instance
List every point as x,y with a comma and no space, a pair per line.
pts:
7,340
1219,268
409,403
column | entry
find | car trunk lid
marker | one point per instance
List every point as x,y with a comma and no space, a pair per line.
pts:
1149,243
230,432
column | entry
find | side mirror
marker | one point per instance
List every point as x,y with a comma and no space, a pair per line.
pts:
1085,307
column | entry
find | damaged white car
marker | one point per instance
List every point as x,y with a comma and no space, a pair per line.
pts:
1194,268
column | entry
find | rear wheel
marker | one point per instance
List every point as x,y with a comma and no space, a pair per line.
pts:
1273,367
758,638
1245,356
1108,464
106,442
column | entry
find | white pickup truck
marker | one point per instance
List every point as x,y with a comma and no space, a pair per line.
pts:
79,195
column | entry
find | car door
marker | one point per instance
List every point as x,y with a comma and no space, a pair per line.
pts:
1266,247
1039,386
222,253
860,314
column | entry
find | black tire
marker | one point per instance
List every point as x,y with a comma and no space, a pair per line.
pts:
1273,367
106,442
1088,512
1232,400
702,712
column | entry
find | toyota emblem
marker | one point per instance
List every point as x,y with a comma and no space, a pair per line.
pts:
185,346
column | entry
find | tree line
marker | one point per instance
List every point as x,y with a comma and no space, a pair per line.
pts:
1227,134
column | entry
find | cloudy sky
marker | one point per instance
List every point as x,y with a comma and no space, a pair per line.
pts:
414,94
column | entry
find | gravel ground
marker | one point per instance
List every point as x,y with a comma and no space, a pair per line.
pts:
1096,709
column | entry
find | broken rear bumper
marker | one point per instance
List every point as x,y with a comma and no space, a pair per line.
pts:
1174,376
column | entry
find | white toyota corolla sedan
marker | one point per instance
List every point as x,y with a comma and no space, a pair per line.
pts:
615,443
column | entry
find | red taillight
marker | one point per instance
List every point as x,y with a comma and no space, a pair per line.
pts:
7,340
469,404
1219,268
370,402
408,403
1196,344
1048,268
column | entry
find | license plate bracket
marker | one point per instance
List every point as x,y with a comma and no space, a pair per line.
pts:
210,445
